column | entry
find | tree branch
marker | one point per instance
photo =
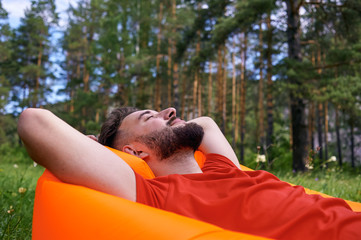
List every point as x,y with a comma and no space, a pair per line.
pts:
324,4
337,64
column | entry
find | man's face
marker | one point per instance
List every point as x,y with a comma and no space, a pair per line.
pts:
146,121
163,132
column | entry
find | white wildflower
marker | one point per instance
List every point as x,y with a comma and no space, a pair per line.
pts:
15,166
11,210
261,158
309,166
22,190
332,159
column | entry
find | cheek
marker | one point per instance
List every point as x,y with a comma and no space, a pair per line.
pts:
151,126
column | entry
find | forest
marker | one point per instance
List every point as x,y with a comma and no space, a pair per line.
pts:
281,78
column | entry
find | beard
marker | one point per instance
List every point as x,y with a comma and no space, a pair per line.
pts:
168,141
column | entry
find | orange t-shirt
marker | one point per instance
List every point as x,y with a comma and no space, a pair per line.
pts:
254,202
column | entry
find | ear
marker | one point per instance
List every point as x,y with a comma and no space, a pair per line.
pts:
130,149
133,151
143,155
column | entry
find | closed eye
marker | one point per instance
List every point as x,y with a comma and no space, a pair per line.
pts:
148,117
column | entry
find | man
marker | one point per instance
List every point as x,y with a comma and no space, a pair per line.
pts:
219,193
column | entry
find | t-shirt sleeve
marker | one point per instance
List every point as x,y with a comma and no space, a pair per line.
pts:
152,192
216,162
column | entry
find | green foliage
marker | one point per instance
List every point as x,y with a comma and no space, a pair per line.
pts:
340,92
5,55
31,64
92,128
8,132
11,154
298,78
246,14
4,92
277,156
110,54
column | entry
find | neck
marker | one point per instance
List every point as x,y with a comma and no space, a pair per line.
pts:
178,163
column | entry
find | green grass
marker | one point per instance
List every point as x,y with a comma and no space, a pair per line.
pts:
333,181
17,208
18,178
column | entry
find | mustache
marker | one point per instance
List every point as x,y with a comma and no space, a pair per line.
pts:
171,120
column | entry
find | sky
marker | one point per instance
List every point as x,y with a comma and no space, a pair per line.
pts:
16,8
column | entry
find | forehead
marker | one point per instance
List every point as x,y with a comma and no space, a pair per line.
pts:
135,117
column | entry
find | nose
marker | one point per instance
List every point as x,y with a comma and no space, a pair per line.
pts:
168,113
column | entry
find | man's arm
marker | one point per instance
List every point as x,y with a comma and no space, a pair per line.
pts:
73,157
214,141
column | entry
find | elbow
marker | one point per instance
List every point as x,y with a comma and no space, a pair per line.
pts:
23,121
208,122
28,121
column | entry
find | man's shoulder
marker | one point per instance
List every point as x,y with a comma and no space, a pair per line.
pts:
215,161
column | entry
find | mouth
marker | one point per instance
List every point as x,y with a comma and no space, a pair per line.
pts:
174,121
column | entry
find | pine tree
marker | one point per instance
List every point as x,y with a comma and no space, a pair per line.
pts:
297,103
5,58
32,41
269,91
79,45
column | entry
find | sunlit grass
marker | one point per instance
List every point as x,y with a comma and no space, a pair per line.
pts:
333,181
17,190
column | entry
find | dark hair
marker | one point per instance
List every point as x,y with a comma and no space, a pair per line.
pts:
109,130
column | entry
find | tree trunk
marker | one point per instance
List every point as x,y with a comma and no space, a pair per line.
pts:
320,110
269,85
195,89
69,74
311,124
320,130
122,96
234,87
199,97
291,128
224,91
176,86
158,85
311,114
326,129
210,91
339,150
175,63
140,101
86,78
260,124
106,103
184,90
169,73
298,105
219,88
84,109
352,146
243,95
196,80
88,39
37,81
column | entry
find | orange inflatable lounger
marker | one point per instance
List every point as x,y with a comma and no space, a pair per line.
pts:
65,211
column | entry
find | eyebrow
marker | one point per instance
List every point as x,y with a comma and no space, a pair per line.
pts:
142,114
